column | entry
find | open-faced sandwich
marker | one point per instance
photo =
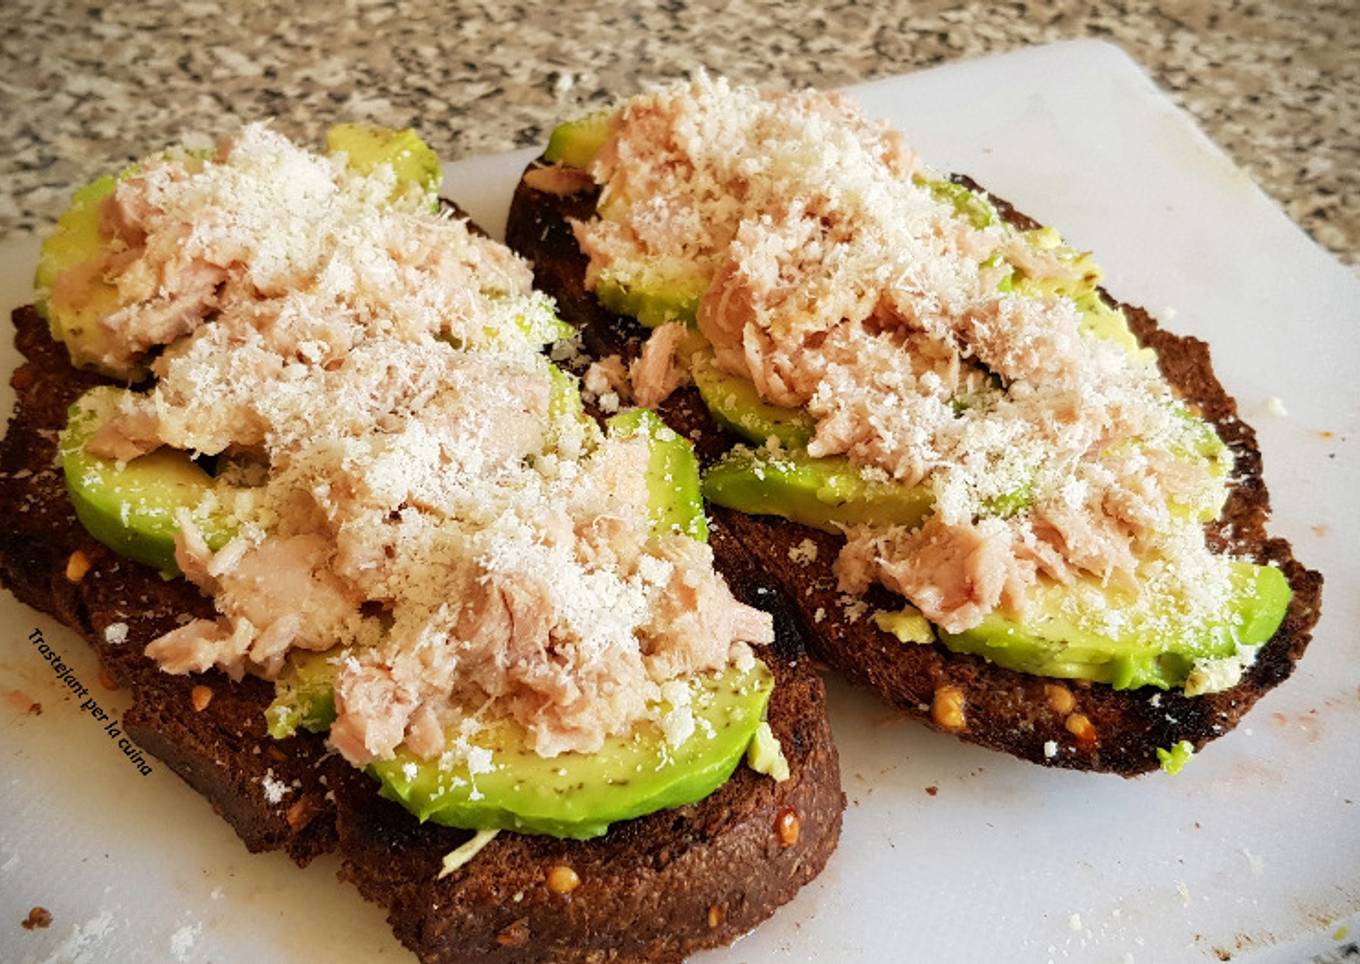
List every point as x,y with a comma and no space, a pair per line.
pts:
289,454
1009,504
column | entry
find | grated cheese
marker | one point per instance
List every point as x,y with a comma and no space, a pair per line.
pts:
829,273
371,375
464,852
274,788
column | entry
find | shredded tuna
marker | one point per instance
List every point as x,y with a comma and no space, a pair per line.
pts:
837,279
372,710
656,372
134,433
954,574
196,646
370,377
694,610
607,379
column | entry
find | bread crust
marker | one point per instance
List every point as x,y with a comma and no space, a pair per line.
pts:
647,886
1003,710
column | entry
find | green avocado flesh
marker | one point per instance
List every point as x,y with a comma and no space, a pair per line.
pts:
578,795
575,143
304,694
736,405
968,204
76,237
74,308
569,427
823,493
1054,637
1173,761
675,501
652,307
130,506
367,145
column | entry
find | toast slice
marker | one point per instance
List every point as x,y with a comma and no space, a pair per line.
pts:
652,889
1035,718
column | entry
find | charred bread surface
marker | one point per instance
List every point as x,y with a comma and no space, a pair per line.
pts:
1093,726
652,889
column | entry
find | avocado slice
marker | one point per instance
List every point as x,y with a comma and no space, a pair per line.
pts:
304,693
736,405
1060,633
576,142
570,429
368,145
652,306
826,493
968,204
578,795
131,506
907,624
675,500
71,253
76,237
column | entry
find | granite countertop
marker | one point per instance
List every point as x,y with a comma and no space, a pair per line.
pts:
87,87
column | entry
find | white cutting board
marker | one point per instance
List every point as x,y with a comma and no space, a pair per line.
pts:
1253,850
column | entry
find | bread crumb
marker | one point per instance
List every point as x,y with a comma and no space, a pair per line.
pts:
1275,406
200,697
116,633
39,917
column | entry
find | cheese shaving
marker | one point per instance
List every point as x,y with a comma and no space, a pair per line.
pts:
461,854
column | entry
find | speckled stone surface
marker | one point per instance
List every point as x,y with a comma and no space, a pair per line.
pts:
86,87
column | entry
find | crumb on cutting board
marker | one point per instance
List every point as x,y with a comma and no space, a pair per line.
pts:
38,917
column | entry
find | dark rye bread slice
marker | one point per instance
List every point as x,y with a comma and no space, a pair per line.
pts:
652,889
1001,709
